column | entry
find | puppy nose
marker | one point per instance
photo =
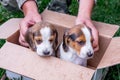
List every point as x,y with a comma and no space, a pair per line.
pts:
89,54
46,52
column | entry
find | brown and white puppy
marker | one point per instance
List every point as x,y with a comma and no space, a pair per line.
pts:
42,38
77,45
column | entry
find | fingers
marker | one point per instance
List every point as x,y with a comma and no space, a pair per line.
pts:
22,41
28,21
95,36
23,29
89,24
24,25
96,49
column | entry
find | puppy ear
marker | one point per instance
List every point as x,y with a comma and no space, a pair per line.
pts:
65,37
56,39
55,45
29,37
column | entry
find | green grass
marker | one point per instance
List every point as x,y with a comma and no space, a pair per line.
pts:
114,73
2,41
107,11
1,72
5,14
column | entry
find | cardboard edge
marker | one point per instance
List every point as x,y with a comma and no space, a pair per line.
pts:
58,16
108,36
112,56
116,27
71,22
60,67
7,29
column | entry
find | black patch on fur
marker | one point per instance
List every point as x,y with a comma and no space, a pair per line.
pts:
90,30
56,38
72,37
29,37
65,47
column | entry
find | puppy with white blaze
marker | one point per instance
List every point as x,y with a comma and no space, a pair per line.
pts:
42,38
77,45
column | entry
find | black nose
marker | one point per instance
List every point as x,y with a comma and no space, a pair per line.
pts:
46,52
90,54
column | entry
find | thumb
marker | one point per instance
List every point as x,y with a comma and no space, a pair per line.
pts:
23,27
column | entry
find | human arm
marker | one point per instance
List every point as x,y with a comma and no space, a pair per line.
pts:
32,16
84,17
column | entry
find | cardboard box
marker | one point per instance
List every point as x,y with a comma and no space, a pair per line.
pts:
23,61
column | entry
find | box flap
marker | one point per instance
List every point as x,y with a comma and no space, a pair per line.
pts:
112,54
9,27
103,44
23,61
106,30
12,25
68,21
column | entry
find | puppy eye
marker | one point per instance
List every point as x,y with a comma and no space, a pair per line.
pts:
38,41
51,40
81,42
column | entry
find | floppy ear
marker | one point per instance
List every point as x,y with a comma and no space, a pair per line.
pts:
29,37
65,37
55,45
56,39
90,30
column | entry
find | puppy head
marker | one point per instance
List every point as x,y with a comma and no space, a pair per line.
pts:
79,39
42,38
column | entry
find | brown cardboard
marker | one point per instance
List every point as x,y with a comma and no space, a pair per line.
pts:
23,61
112,54
68,21
106,31
9,28
30,64
104,42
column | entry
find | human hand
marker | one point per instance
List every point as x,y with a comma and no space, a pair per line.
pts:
29,20
32,16
88,23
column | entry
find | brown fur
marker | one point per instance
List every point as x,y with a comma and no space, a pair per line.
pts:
33,36
74,36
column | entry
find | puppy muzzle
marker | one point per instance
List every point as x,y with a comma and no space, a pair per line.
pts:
90,54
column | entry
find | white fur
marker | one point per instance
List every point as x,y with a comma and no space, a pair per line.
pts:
72,56
45,45
88,46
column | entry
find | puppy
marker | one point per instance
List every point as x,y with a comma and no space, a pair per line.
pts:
42,38
77,45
